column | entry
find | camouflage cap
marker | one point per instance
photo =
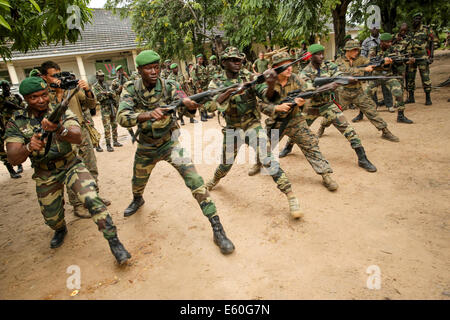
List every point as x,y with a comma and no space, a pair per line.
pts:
32,85
99,73
385,36
281,57
231,52
352,44
173,66
119,67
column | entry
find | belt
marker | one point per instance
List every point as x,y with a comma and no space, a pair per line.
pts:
149,142
52,165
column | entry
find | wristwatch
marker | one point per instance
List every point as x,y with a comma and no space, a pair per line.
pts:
64,132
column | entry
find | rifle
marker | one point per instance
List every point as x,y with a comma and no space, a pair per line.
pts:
345,80
55,117
378,61
261,78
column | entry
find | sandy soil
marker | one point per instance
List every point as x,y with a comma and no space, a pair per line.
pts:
396,219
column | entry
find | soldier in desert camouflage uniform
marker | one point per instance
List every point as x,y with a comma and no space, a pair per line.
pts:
140,105
59,167
243,125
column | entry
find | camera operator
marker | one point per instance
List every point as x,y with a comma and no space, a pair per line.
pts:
82,101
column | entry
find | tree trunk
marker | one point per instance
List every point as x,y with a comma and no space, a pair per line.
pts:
339,22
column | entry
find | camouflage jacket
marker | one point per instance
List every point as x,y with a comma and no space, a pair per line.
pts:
22,125
389,69
344,66
103,93
213,70
294,82
240,110
178,78
136,99
309,73
116,83
165,73
201,78
6,110
417,42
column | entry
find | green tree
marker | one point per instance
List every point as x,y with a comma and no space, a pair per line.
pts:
28,24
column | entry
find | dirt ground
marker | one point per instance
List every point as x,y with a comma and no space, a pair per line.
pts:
397,219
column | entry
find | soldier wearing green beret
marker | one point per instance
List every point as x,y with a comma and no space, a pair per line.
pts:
9,103
296,128
243,124
140,105
177,76
390,68
60,166
213,67
324,106
420,45
355,94
201,78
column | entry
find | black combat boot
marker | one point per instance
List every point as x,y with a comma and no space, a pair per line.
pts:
203,117
192,120
98,148
220,238
117,144
108,147
137,202
363,162
118,250
401,117
58,238
19,168
428,99
359,117
410,97
181,120
12,173
287,149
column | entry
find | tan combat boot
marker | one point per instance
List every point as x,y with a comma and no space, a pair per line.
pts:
294,208
320,131
389,136
211,184
329,183
255,169
81,212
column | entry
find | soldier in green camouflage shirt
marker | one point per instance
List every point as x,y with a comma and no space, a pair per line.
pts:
108,106
213,67
323,105
178,77
140,105
9,103
387,52
243,124
296,127
165,71
201,78
59,167
419,45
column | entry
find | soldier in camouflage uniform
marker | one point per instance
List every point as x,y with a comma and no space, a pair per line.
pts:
399,44
9,103
140,105
108,103
387,51
178,77
354,93
81,103
419,41
243,124
323,105
165,72
59,167
340,51
201,78
213,67
296,128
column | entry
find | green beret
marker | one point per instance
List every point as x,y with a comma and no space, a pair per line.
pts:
34,73
4,82
173,66
167,61
147,57
118,67
213,57
314,48
31,85
199,55
386,37
418,14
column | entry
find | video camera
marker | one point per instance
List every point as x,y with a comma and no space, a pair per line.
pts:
68,81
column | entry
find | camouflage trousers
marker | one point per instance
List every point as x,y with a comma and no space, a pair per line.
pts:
85,151
424,70
394,86
362,101
50,193
300,134
109,123
253,136
3,156
147,157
